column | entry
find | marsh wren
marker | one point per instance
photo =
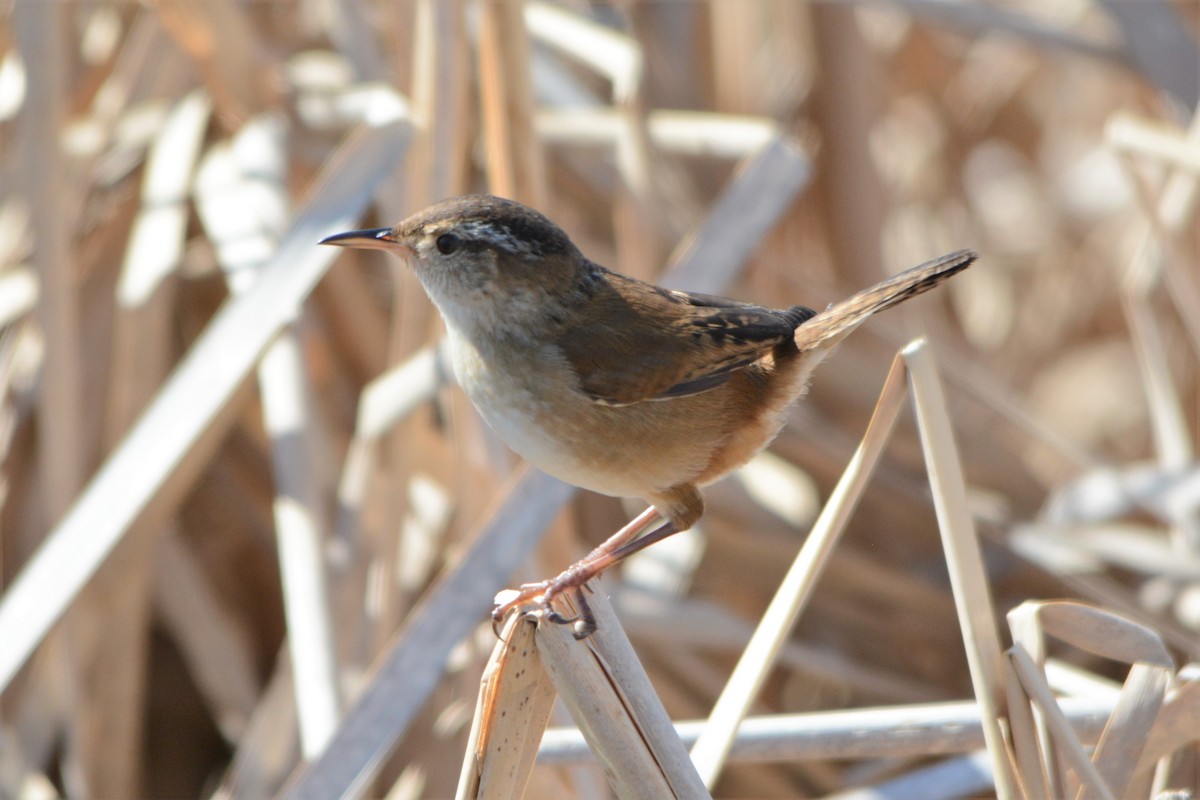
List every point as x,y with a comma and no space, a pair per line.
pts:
608,382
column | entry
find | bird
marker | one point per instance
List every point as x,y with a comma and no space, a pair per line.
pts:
608,382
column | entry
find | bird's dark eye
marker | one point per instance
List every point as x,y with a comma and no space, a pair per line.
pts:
447,243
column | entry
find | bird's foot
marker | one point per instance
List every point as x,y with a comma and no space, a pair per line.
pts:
541,596
573,580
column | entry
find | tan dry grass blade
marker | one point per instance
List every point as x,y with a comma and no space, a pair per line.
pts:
1022,671
440,95
156,243
18,293
929,729
713,746
1168,209
216,647
602,49
1168,213
301,529
997,20
750,205
235,72
968,578
514,155
1129,134
383,403
245,206
692,623
270,744
618,57
954,779
1176,726
41,26
1095,630
694,133
154,252
1118,752
605,687
154,463
390,398
1029,765
515,700
412,666
141,358
1162,396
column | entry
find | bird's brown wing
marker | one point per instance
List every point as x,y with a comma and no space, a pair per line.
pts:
635,342
632,341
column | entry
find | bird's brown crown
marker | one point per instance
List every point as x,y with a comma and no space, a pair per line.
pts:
485,222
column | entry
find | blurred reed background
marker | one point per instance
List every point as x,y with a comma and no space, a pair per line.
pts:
223,503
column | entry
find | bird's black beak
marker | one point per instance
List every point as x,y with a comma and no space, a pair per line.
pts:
372,239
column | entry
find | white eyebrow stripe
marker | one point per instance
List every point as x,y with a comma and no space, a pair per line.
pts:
500,237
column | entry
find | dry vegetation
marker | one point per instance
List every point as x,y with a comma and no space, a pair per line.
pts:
251,532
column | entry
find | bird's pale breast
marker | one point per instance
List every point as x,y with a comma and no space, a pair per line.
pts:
532,402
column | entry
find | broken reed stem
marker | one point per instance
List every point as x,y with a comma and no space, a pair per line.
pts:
515,700
712,748
906,731
968,578
606,689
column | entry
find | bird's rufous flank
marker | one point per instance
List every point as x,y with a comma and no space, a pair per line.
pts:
611,383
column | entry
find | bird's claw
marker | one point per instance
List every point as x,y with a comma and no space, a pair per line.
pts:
541,596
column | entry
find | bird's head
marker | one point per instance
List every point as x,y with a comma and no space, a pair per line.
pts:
482,259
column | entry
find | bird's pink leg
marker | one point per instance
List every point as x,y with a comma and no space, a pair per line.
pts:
621,544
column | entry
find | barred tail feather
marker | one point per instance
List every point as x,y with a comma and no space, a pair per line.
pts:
829,327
